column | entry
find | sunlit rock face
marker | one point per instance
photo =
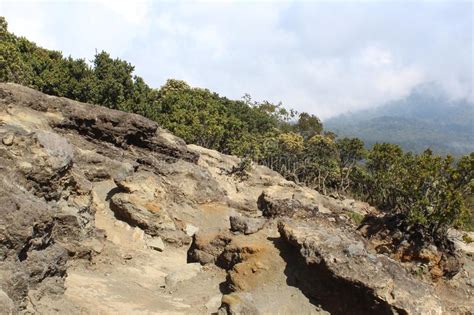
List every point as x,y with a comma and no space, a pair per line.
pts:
106,212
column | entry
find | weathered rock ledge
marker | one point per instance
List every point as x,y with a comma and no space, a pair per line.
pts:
347,277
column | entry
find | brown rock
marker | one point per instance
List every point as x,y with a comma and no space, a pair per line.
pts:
207,247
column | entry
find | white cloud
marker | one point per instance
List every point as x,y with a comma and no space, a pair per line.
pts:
29,19
321,57
376,57
131,11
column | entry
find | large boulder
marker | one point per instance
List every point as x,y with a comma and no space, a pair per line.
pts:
339,271
141,201
280,201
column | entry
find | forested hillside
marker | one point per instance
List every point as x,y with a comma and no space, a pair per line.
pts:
427,118
425,189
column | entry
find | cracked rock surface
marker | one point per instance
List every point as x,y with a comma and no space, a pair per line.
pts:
105,212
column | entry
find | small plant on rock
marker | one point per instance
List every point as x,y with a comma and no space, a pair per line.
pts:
242,170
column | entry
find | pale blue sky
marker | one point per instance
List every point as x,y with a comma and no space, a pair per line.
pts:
321,57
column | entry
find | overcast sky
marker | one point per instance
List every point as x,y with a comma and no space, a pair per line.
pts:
322,57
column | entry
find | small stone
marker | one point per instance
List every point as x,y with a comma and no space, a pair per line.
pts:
155,243
95,245
8,139
398,235
203,257
404,243
238,303
436,272
191,229
25,166
323,209
137,233
470,282
356,249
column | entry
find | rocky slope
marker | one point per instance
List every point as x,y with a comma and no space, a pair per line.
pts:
104,212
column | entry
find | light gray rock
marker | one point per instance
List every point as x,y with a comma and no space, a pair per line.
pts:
97,167
246,225
323,209
355,249
191,229
155,243
470,282
60,151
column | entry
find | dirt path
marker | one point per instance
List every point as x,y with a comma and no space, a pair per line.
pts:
129,278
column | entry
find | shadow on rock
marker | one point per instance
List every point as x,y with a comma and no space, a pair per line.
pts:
324,289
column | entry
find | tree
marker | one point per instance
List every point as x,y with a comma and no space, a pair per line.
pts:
350,152
463,179
308,125
384,165
429,197
290,148
113,79
12,66
321,158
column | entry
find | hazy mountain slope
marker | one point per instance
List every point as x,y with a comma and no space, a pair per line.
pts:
425,119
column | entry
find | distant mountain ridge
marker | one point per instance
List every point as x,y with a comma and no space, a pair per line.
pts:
427,118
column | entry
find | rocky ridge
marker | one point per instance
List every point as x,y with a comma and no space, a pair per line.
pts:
105,212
